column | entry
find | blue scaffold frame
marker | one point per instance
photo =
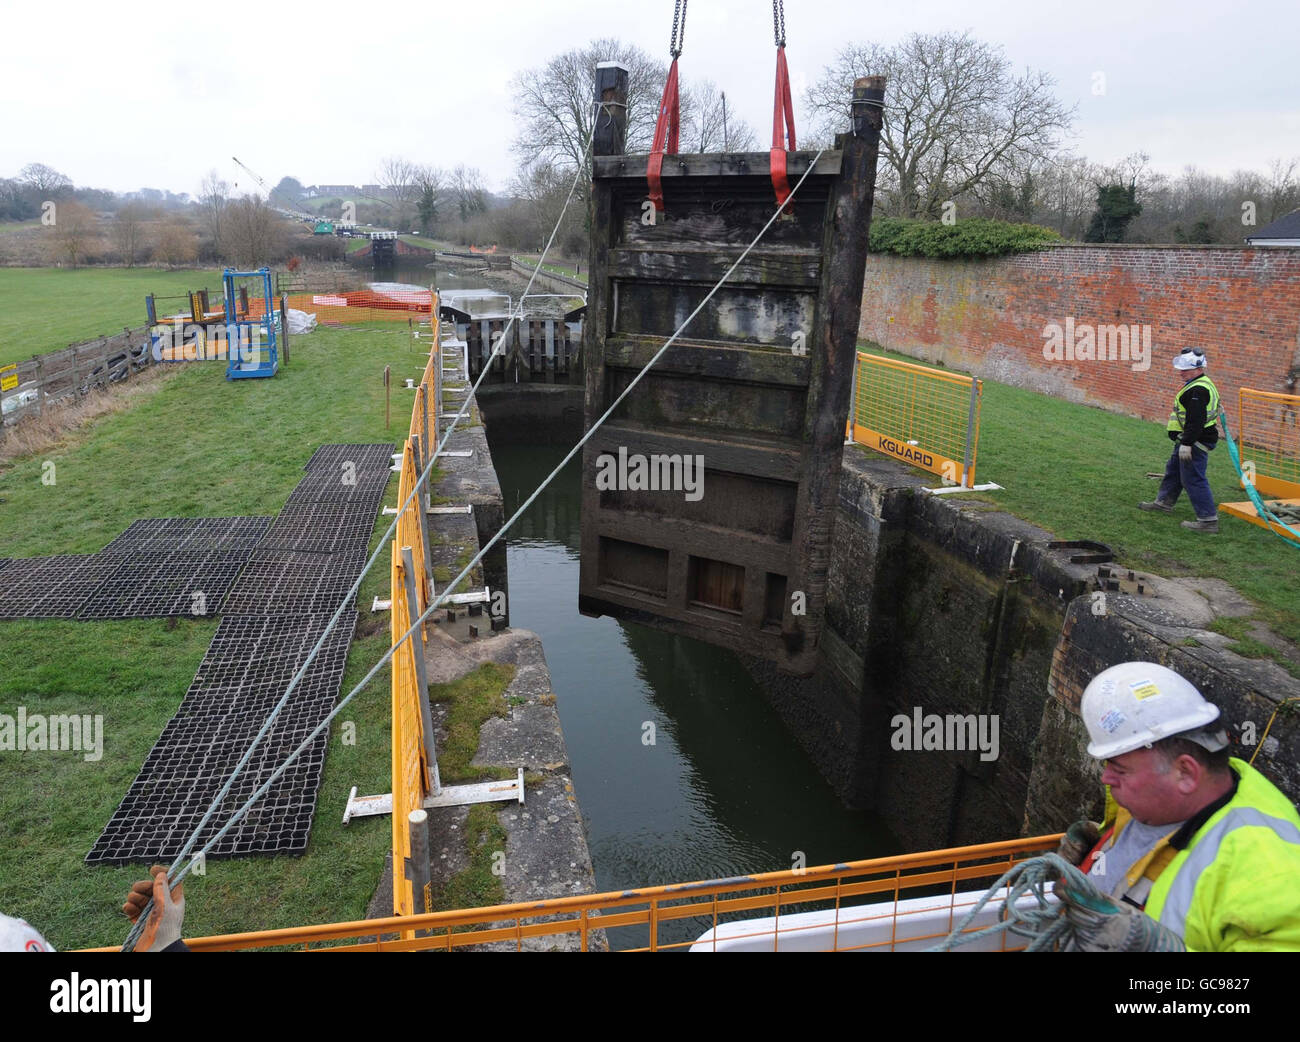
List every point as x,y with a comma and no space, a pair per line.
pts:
252,348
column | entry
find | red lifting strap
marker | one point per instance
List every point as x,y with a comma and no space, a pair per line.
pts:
782,120
667,130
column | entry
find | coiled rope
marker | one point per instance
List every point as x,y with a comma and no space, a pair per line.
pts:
1052,924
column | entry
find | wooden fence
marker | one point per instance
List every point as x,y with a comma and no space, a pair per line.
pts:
27,388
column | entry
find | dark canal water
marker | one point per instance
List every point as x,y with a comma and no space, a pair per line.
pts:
724,790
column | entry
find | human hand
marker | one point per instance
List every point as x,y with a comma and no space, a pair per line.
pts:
163,927
1078,841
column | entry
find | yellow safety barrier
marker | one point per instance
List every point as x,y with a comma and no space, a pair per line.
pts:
412,771
883,881
1268,439
923,416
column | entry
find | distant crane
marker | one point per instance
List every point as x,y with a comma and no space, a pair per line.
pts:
265,187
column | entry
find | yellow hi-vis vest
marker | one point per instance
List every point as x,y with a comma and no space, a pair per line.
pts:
1234,887
1178,417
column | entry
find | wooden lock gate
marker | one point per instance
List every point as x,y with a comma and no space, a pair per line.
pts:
757,386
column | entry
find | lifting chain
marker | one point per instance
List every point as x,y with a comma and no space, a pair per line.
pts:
679,14
778,21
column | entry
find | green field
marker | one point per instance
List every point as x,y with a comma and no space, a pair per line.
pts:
551,266
1079,472
46,309
198,446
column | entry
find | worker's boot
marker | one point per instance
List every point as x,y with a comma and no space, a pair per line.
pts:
1203,524
1157,504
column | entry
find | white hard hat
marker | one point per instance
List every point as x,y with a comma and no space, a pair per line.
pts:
1136,704
1189,358
17,936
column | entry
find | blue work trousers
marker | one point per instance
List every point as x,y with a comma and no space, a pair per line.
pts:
1189,476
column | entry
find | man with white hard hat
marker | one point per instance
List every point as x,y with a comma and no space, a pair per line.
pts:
1199,841
1193,428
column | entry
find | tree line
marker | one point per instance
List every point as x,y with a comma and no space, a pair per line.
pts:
964,135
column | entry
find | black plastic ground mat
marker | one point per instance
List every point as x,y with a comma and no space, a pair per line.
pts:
154,584
293,582
166,534
4,562
51,587
244,674
333,458
320,528
363,495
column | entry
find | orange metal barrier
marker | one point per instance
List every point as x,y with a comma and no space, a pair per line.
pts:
926,417
412,772
954,871
1268,439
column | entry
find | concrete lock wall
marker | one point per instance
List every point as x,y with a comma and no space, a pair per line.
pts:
1242,306
952,610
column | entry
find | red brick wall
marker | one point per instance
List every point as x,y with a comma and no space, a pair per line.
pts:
1242,306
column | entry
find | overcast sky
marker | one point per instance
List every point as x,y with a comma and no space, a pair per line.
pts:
155,94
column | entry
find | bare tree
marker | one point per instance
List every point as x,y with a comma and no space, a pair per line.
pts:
44,181
468,191
128,231
954,114
214,200
177,243
74,230
254,231
555,110
1283,187
400,179
707,126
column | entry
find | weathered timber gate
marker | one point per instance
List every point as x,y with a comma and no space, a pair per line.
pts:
758,384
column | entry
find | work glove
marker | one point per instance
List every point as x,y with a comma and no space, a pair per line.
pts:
163,927
1078,841
1103,925
1185,453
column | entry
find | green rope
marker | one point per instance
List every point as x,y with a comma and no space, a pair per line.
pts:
1089,920
1261,508
1044,922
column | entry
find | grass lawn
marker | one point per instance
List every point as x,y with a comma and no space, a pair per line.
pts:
198,446
556,269
1080,471
46,309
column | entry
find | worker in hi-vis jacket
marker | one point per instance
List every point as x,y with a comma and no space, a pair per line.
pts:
1199,851
1193,428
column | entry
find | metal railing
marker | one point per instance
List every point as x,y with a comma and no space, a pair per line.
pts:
893,883
926,417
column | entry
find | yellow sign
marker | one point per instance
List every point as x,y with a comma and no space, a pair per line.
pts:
917,455
8,378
